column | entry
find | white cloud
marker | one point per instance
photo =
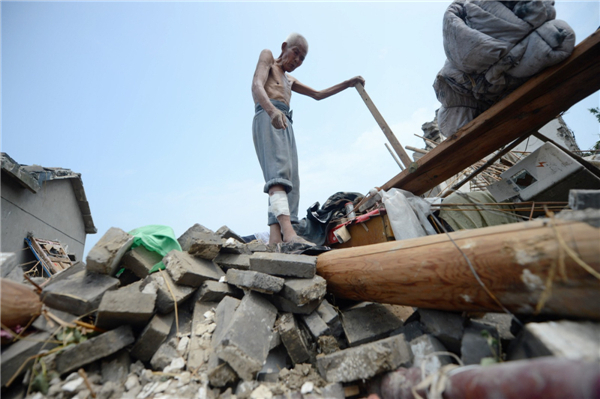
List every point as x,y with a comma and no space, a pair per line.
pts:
361,164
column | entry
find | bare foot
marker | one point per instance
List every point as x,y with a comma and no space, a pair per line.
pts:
300,240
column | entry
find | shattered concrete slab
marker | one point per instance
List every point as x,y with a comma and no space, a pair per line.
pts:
185,269
153,335
255,281
140,261
365,361
276,361
79,293
19,352
293,339
75,356
445,326
167,289
214,291
328,344
202,327
223,316
124,307
206,245
287,306
315,325
232,246
116,367
187,239
225,232
233,261
165,353
105,256
284,265
301,291
246,353
331,317
368,323
219,372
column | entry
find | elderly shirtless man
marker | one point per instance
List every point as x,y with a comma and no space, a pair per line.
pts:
273,134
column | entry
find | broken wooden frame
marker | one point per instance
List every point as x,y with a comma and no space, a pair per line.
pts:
521,113
50,254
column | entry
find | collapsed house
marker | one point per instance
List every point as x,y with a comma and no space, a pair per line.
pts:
45,204
397,309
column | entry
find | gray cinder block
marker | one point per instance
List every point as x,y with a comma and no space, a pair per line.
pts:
365,361
76,356
125,307
246,352
255,281
79,293
153,335
106,255
368,323
140,261
164,300
284,265
301,291
185,269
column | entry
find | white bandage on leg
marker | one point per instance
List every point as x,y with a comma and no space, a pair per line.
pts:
279,203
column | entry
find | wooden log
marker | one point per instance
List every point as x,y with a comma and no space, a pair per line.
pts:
19,303
512,260
522,112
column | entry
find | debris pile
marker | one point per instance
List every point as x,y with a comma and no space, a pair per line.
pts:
228,319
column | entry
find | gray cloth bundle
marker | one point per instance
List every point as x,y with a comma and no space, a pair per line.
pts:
492,47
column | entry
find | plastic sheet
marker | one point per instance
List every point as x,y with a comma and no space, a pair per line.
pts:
156,238
407,214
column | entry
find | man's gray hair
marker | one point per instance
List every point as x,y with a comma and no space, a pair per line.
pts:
295,39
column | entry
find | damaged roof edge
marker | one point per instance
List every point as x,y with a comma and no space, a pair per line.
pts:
32,177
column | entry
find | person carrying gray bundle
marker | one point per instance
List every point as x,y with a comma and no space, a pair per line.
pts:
273,135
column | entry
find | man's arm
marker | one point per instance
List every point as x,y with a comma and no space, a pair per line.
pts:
301,88
259,94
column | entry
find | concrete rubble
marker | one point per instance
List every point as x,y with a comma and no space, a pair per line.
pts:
234,320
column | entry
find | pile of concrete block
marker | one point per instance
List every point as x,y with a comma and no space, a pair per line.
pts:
223,318
238,320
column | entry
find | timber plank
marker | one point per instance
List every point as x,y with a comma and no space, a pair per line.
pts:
512,260
522,112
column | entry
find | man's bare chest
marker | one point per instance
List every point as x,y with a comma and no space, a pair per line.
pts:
278,82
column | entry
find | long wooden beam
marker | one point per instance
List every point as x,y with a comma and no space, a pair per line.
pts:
513,261
522,112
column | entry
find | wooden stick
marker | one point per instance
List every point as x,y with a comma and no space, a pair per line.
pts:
512,260
394,156
419,150
384,126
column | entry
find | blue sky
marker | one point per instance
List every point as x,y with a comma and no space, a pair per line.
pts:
151,101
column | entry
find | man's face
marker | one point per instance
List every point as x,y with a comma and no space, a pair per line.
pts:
293,56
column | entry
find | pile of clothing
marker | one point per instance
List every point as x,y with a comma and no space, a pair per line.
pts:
492,47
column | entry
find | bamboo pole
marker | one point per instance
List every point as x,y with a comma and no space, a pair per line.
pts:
513,261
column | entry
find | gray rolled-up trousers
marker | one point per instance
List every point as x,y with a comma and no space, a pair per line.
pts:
278,157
